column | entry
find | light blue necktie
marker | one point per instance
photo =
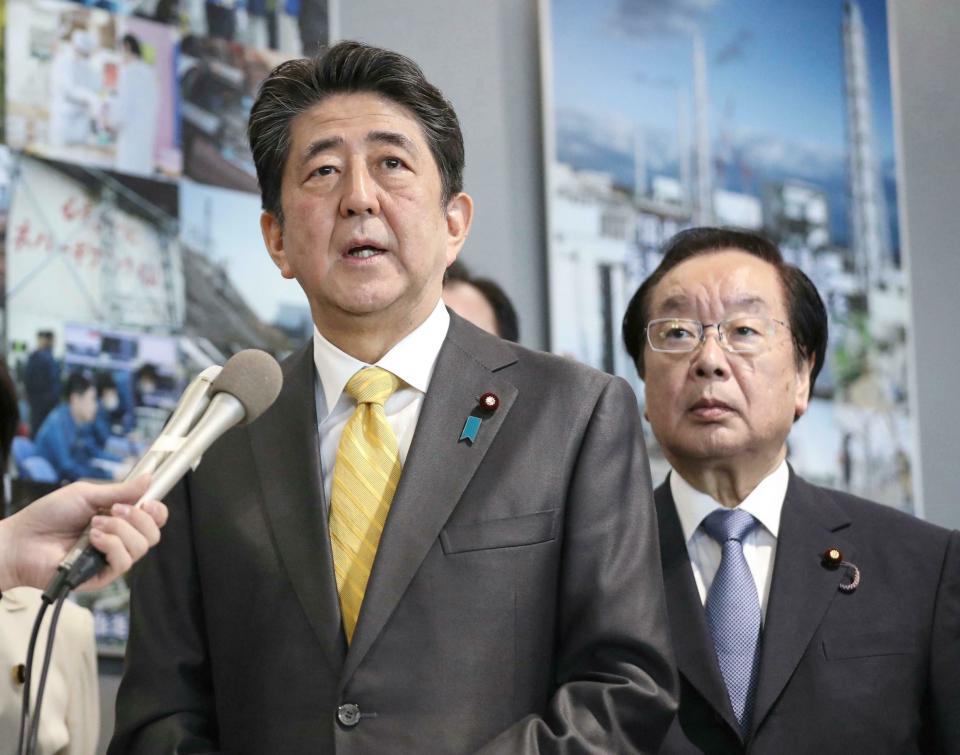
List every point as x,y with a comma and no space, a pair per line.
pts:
733,611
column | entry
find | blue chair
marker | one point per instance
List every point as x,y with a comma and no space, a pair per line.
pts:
39,469
30,465
23,449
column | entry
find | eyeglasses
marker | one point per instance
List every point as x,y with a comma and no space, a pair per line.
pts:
741,335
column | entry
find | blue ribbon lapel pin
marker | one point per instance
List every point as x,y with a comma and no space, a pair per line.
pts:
486,405
470,429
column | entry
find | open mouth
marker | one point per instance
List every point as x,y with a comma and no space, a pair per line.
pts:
364,251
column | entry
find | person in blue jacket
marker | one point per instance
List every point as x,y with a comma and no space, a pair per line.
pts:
62,440
111,419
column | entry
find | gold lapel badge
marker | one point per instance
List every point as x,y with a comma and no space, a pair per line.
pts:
832,558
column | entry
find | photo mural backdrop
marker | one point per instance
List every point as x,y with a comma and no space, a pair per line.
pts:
130,249
773,116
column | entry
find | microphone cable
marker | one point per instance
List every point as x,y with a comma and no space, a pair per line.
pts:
47,657
27,739
25,706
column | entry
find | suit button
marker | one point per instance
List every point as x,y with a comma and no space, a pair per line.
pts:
348,714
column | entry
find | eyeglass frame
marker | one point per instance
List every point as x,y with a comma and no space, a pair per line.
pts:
701,339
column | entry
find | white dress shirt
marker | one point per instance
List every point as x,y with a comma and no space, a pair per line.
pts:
759,547
412,360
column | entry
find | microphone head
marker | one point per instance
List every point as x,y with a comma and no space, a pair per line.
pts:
254,378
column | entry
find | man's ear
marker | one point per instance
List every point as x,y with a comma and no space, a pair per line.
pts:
802,396
459,214
272,230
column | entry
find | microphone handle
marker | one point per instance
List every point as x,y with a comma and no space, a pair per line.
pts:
84,560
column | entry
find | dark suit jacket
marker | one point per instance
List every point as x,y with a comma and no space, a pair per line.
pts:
516,600
876,670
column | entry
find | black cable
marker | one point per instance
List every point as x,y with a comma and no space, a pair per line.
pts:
47,657
25,706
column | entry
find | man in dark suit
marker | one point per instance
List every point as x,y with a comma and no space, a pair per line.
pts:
41,380
464,560
804,620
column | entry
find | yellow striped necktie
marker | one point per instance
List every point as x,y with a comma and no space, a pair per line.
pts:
365,477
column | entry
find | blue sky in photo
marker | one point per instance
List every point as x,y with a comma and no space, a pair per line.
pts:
224,225
774,80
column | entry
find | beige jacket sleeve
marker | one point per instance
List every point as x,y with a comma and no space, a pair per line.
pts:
70,720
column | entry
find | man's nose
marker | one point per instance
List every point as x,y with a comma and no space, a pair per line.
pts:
710,358
359,193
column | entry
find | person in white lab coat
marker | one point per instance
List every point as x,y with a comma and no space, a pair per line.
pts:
133,115
73,84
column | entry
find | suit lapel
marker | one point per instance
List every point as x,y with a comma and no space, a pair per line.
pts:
437,470
287,457
801,588
696,658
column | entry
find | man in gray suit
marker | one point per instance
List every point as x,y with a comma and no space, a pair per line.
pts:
465,560
805,620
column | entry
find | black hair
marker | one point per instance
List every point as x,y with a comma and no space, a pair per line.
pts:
508,324
806,311
104,382
295,86
146,370
76,384
9,414
132,43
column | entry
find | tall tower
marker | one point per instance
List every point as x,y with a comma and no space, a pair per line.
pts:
869,225
639,161
703,194
683,139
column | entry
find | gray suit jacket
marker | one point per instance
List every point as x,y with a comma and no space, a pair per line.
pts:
516,604
876,670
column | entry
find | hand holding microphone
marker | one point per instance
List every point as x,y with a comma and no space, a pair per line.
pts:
192,404
34,540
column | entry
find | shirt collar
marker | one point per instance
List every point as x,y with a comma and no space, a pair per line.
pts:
764,502
411,359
